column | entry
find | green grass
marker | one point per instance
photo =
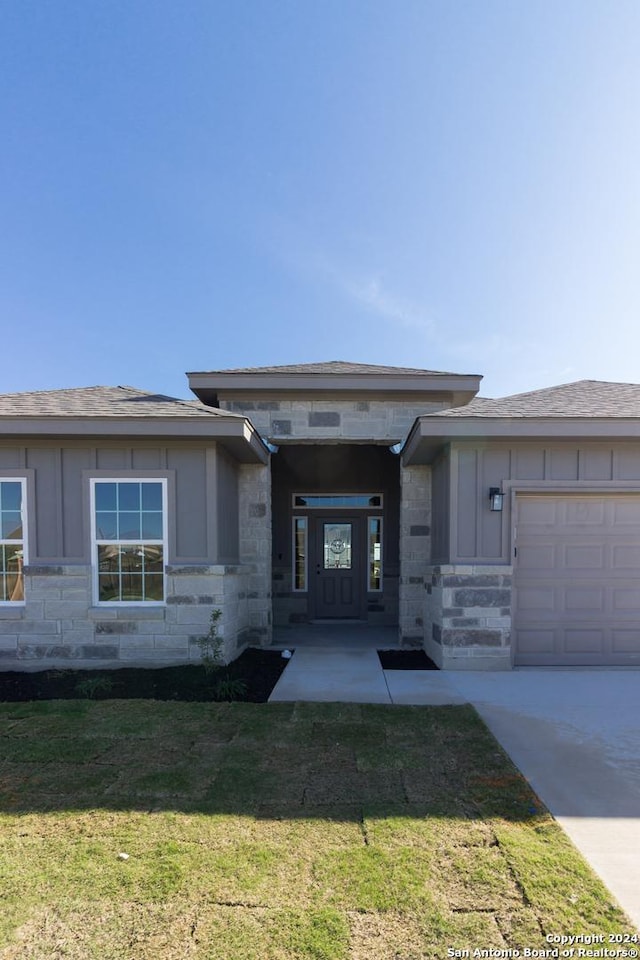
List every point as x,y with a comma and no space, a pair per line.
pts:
275,832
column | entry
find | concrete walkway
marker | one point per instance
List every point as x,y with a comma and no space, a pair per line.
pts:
575,735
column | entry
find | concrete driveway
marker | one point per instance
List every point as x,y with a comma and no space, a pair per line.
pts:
574,734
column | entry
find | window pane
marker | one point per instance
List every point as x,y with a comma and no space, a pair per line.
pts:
14,587
10,495
375,553
154,587
153,560
128,496
108,558
10,525
152,526
152,496
129,526
132,587
335,500
11,579
106,525
131,559
300,553
106,496
108,587
337,546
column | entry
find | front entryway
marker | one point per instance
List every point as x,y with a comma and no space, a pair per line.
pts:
337,567
335,533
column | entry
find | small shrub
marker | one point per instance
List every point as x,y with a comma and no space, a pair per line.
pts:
229,688
92,686
211,644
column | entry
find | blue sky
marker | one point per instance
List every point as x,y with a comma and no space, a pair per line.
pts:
453,185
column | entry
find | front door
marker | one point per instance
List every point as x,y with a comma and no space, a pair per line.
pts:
337,567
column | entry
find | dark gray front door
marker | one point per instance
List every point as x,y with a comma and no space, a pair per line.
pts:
337,567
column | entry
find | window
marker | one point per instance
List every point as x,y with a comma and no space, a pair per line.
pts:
336,501
299,553
12,540
375,553
129,540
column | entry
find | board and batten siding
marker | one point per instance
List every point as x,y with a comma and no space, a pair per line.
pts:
440,509
227,508
479,536
203,509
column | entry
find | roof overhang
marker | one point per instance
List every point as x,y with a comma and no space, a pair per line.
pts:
429,435
235,434
459,389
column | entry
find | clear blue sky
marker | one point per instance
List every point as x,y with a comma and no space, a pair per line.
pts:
216,183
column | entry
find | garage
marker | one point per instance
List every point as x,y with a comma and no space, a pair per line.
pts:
577,580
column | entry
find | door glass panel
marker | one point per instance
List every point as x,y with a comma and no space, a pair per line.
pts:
337,546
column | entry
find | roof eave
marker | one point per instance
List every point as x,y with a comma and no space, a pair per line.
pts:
464,387
236,434
429,435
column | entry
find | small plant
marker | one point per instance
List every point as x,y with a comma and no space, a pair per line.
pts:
223,686
229,688
211,644
92,686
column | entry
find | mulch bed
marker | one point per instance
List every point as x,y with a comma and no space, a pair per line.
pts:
405,660
259,669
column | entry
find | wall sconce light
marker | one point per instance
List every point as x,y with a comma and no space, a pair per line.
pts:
496,498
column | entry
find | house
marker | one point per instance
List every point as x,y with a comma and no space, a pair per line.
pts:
491,532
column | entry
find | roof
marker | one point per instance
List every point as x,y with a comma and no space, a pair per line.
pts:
126,412
101,402
583,398
337,377
584,410
335,366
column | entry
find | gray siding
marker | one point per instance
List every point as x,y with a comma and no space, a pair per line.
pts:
202,529
440,509
191,505
227,508
476,533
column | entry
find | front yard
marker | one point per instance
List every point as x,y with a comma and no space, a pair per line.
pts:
264,831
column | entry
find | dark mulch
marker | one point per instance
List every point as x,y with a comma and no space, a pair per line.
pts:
405,660
258,669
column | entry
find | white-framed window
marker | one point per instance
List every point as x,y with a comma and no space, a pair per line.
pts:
13,538
129,540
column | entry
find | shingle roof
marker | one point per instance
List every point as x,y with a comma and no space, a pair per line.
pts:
101,402
335,366
584,398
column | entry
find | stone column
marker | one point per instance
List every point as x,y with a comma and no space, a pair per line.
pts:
415,550
255,547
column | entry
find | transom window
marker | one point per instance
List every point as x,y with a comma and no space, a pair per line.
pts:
12,540
337,501
129,540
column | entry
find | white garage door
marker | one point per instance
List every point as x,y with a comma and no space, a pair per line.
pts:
577,580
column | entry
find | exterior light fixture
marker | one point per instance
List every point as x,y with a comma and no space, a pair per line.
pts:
496,498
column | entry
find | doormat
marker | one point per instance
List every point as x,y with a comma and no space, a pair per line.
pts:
405,660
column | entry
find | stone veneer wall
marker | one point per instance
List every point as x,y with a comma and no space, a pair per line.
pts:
254,490
468,617
308,420
415,550
59,625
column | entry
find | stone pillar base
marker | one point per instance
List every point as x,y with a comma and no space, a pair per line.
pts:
468,617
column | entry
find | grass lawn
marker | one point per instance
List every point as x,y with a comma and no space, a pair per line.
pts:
264,831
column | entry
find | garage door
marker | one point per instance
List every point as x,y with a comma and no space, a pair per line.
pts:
577,580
